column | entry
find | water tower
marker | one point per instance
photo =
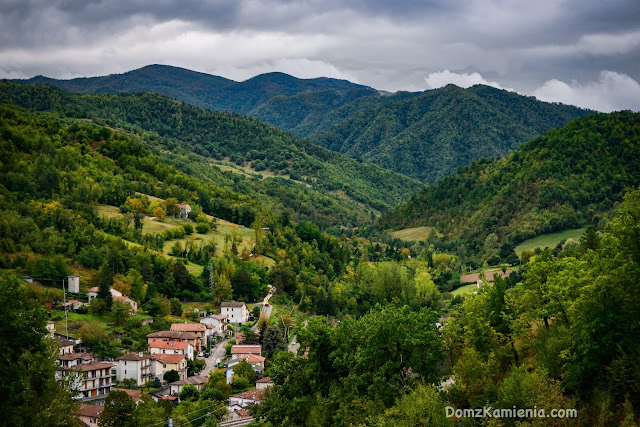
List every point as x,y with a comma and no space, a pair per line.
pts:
73,284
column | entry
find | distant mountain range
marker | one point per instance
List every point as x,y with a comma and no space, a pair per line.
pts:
425,135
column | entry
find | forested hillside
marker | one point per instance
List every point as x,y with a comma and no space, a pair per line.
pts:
567,178
323,186
430,135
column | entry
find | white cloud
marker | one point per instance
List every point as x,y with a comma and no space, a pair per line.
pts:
611,92
443,78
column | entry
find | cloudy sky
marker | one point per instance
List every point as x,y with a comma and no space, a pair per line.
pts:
581,52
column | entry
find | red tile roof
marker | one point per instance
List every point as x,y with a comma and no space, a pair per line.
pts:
92,366
94,289
134,394
177,345
253,358
188,327
232,304
265,380
169,358
74,356
192,380
177,335
91,410
246,349
249,395
134,356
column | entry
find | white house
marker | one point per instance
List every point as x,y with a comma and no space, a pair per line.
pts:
136,366
185,209
93,293
69,360
65,345
235,312
218,321
172,347
168,362
127,300
197,381
89,414
263,383
92,380
257,363
237,351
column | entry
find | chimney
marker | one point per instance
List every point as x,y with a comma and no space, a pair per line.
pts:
140,354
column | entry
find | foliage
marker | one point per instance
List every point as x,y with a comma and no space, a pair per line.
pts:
189,393
564,179
118,410
28,387
273,340
176,307
244,370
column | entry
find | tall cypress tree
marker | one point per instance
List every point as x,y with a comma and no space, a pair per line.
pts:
104,280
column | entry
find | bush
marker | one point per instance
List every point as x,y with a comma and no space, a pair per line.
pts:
188,228
202,228
83,309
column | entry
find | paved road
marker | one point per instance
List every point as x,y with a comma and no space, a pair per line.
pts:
217,353
266,309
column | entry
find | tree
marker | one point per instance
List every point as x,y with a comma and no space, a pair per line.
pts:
171,376
158,307
159,213
245,370
189,393
423,406
273,340
138,287
104,280
98,306
30,393
176,307
171,206
121,312
250,337
118,410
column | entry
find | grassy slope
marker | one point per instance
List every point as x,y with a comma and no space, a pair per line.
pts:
550,240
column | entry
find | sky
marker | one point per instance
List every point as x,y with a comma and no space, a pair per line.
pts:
580,52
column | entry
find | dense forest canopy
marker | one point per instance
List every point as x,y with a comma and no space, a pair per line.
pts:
568,178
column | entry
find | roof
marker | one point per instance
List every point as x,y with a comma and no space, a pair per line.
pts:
178,345
94,289
192,380
265,380
92,366
134,394
177,335
244,349
208,326
134,356
169,358
125,299
249,395
90,410
232,304
253,358
218,316
188,327
74,356
63,342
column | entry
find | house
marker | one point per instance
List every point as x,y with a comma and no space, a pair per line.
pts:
73,304
236,312
257,363
263,383
197,329
240,350
94,382
172,347
136,395
51,328
89,414
192,339
185,209
168,362
247,398
218,321
197,381
136,366
127,300
93,293
65,345
69,360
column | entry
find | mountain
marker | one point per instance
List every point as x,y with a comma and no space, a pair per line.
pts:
276,98
265,162
430,135
566,178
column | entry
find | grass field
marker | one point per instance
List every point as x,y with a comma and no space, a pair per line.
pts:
464,290
412,234
549,240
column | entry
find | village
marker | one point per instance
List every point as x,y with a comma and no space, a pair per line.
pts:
161,371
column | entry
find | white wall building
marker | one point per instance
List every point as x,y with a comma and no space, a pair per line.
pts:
235,312
136,366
